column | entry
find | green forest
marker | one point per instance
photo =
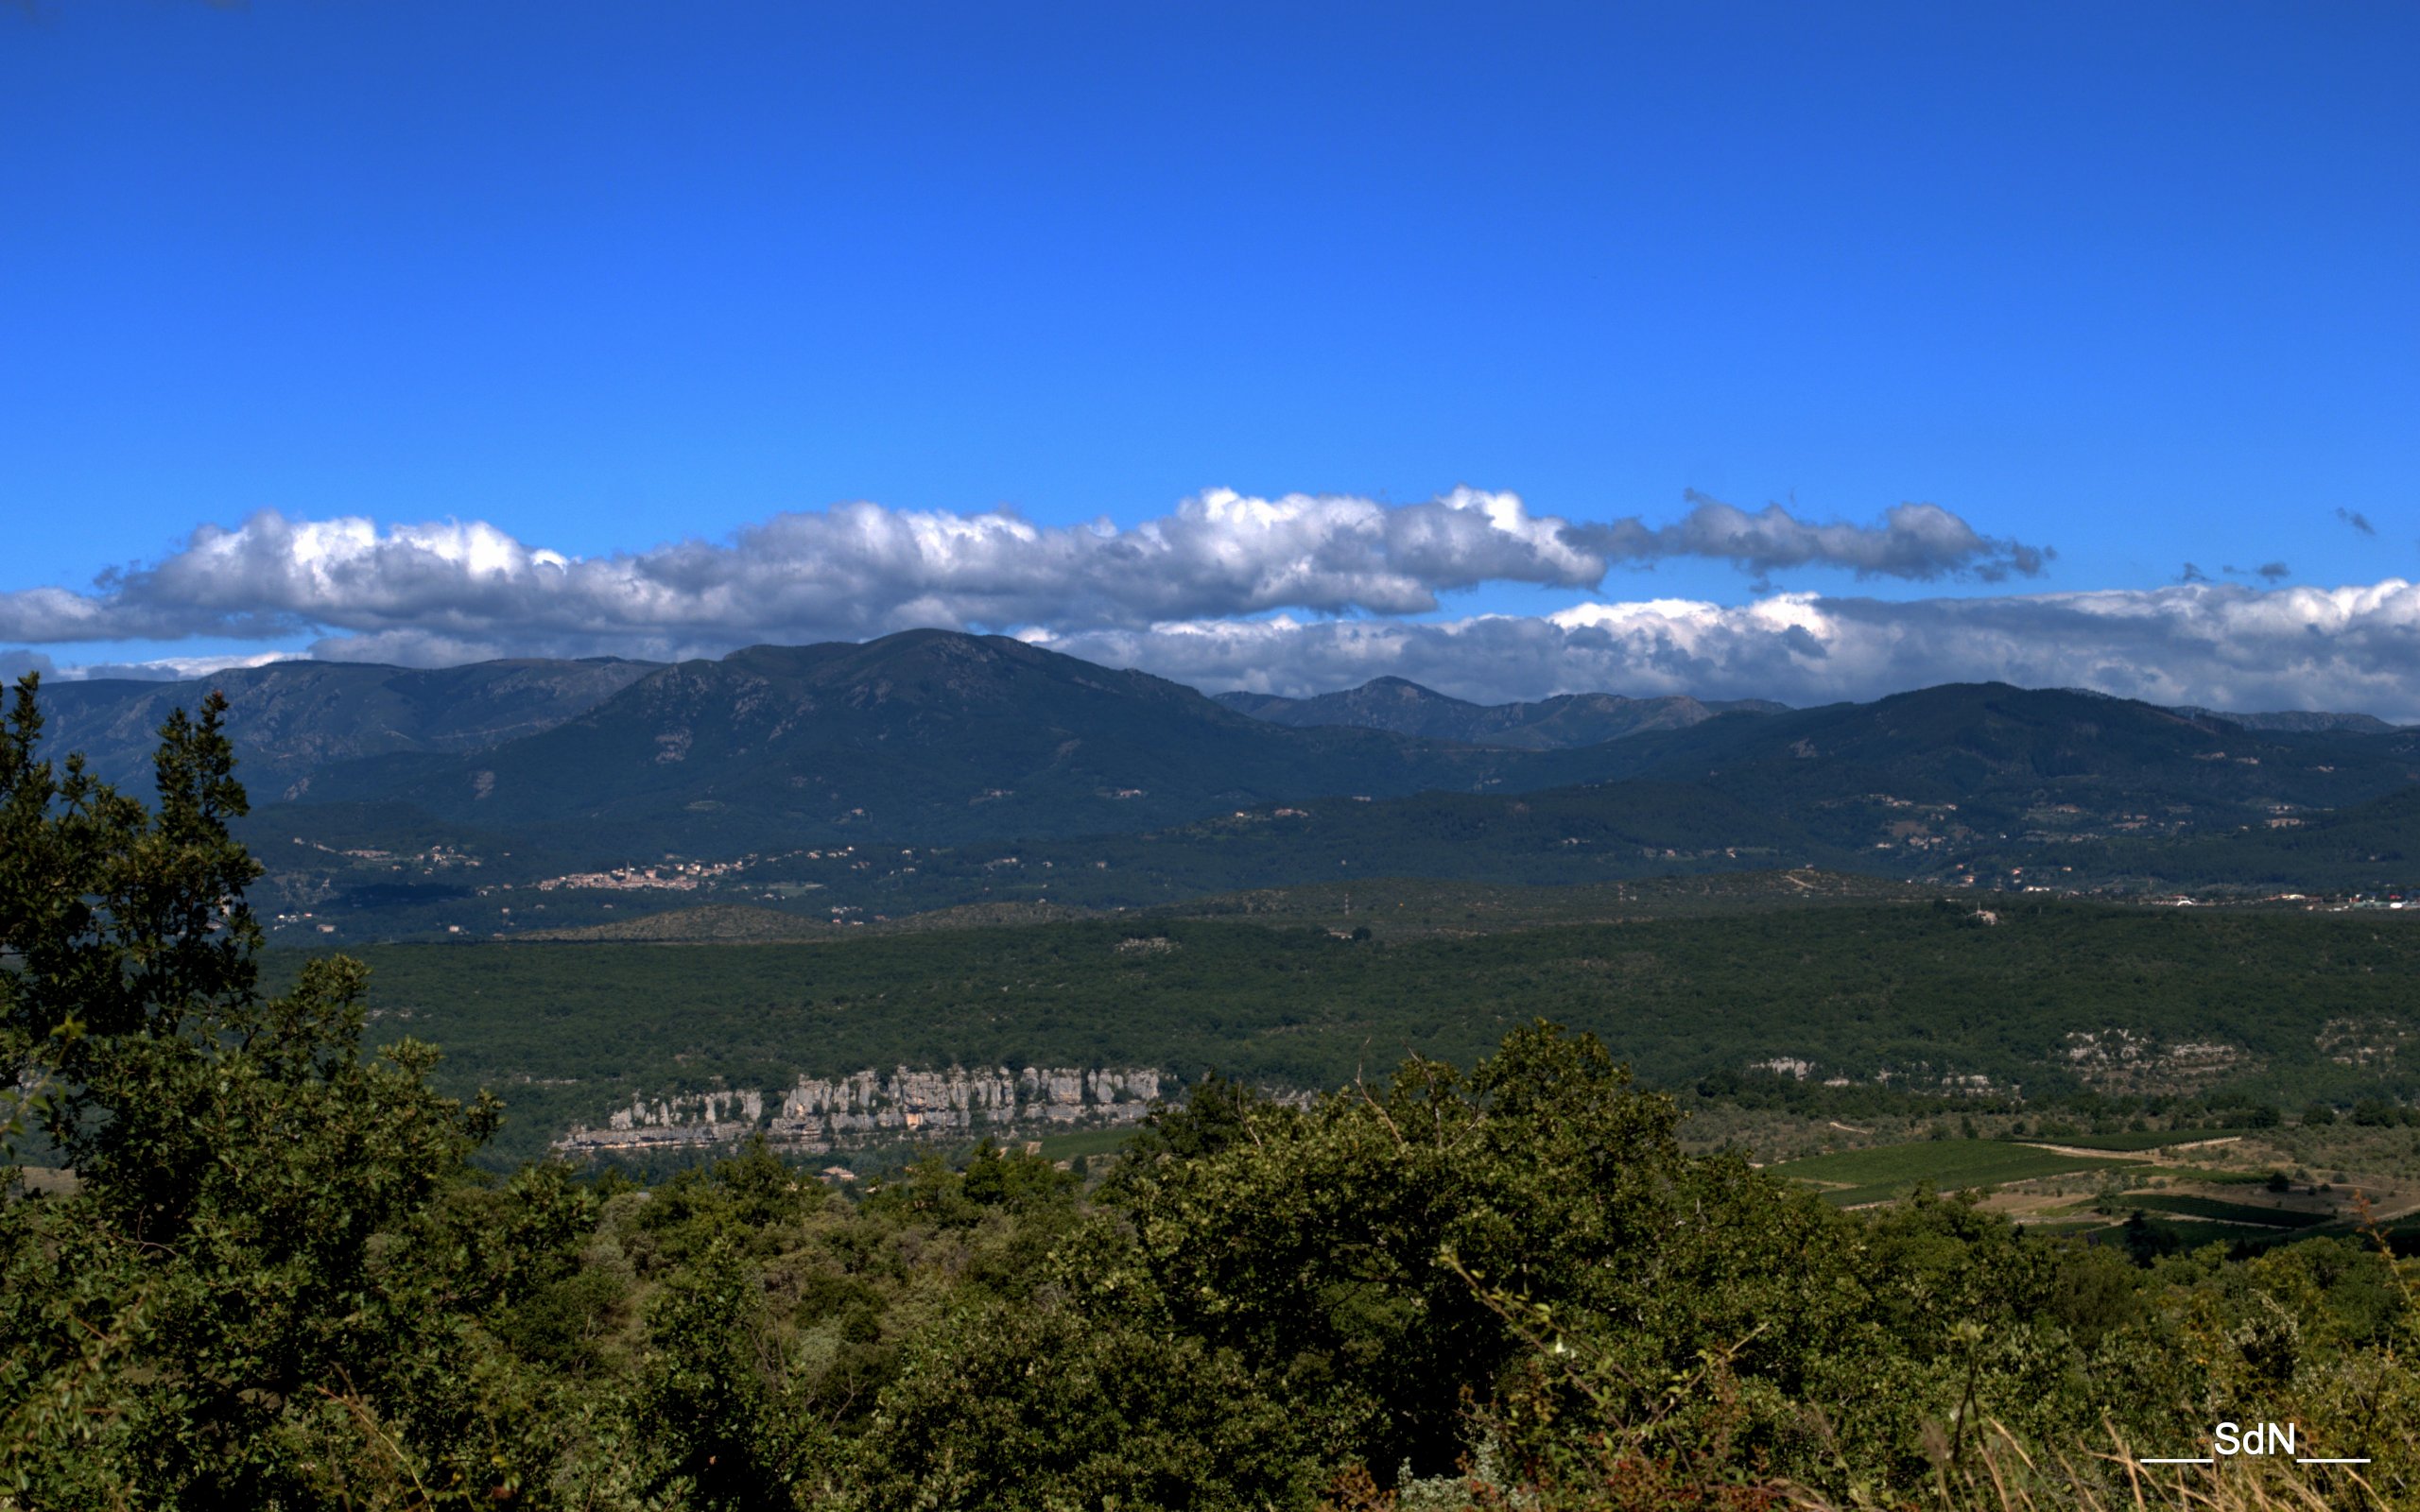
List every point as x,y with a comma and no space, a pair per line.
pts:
1911,989
1484,1274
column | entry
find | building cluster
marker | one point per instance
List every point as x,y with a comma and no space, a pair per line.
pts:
676,876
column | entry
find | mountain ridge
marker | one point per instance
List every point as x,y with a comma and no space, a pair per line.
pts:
933,769
930,734
1563,722
289,720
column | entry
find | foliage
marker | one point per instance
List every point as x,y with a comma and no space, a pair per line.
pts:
1040,1406
1344,1241
269,1284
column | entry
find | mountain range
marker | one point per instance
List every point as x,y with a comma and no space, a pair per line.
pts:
931,770
292,719
1560,723
925,735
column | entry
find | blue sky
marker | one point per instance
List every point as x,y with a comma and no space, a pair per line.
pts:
2131,284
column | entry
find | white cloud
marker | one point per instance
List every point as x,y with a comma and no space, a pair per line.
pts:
1294,595
2222,645
442,592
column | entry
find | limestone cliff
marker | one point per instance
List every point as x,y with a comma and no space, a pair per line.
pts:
817,1114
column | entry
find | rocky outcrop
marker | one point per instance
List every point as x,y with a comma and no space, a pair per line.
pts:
671,1123
819,1113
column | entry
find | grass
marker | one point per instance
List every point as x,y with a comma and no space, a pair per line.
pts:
2215,1176
1085,1142
1944,1165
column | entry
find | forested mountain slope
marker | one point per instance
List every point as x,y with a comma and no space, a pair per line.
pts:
923,736
290,719
930,769
939,738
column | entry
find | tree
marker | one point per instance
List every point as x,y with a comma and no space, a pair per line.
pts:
116,925
1359,1248
1036,1407
259,1294
709,1400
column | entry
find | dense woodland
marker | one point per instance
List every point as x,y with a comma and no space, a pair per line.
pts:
1912,987
280,1279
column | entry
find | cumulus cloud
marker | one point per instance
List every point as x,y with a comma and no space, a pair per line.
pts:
1297,594
2221,645
15,664
454,591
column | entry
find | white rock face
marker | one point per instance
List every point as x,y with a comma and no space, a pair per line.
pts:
817,1114
704,1108
700,1118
